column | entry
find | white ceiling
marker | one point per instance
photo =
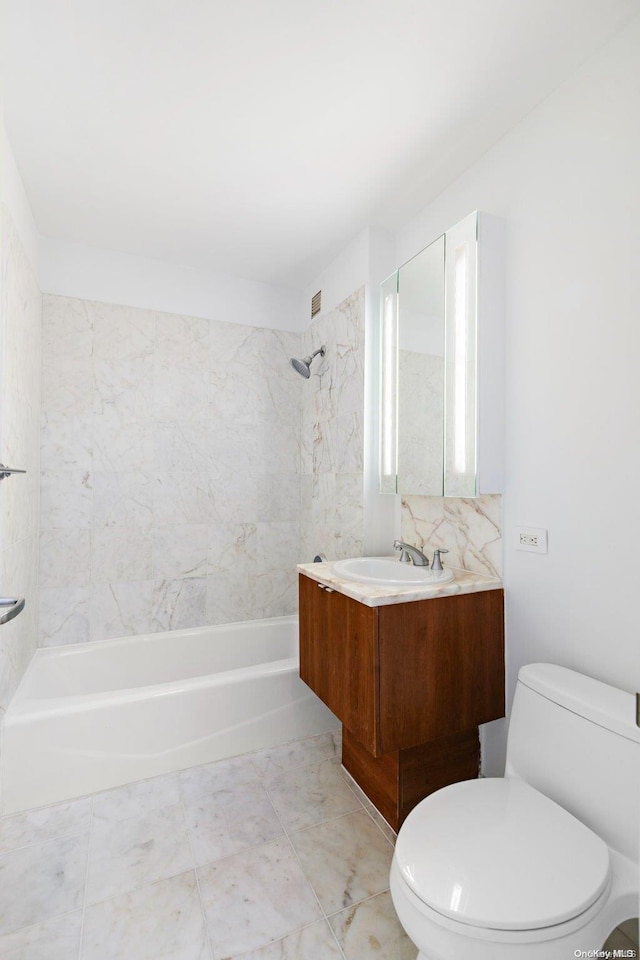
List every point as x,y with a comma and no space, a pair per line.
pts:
257,137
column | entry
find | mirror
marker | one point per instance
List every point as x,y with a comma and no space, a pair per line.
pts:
420,447
428,372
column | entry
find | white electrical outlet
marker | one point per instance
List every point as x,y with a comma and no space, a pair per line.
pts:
532,539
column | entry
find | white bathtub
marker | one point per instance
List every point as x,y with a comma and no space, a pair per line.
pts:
96,715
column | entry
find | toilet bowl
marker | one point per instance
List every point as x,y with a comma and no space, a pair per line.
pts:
542,863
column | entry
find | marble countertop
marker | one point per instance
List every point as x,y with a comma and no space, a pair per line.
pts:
378,596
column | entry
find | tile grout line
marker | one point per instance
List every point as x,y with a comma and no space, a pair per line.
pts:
260,843
144,884
86,882
358,903
322,823
295,853
38,923
41,843
260,778
334,913
260,775
195,871
305,926
341,816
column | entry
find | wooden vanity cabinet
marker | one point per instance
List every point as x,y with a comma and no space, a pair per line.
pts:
410,683
339,657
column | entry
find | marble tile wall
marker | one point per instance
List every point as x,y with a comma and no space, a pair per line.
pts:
471,530
20,319
170,485
333,434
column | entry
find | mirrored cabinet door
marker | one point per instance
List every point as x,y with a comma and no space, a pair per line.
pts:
421,372
442,366
460,397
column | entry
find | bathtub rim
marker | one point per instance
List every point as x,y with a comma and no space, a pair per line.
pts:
22,709
66,649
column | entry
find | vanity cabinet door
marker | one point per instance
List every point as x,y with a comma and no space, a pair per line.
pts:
441,667
339,657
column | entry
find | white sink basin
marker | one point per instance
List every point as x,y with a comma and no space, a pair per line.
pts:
387,572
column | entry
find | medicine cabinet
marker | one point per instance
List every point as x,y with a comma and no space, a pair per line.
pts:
442,366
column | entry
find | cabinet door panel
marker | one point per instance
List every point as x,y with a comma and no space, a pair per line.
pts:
441,667
338,657
313,627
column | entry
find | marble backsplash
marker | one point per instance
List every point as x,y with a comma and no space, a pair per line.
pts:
20,339
470,529
332,439
170,485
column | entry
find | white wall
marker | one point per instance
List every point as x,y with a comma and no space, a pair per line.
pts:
76,270
345,273
12,194
566,181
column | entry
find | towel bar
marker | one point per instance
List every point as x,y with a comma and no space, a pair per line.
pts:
10,607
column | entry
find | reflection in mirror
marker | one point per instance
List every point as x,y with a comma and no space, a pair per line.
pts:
420,390
412,375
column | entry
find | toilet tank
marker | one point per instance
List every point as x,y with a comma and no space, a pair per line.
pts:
575,739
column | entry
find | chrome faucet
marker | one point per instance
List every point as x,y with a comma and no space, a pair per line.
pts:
409,554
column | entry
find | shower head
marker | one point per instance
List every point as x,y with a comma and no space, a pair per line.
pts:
303,367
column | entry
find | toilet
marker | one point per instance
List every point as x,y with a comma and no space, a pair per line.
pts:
542,863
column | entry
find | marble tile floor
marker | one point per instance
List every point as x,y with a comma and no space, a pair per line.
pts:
274,855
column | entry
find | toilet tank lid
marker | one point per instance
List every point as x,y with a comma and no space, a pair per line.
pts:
597,702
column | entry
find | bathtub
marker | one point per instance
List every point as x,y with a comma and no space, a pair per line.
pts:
91,716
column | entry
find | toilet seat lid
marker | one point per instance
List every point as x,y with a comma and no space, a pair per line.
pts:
498,854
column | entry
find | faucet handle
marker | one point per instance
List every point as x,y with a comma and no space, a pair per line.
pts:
436,563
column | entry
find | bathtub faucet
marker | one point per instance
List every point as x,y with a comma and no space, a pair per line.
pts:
409,554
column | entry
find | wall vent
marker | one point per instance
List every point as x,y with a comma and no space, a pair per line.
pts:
316,303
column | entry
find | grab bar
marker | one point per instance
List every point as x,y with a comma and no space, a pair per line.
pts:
11,606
